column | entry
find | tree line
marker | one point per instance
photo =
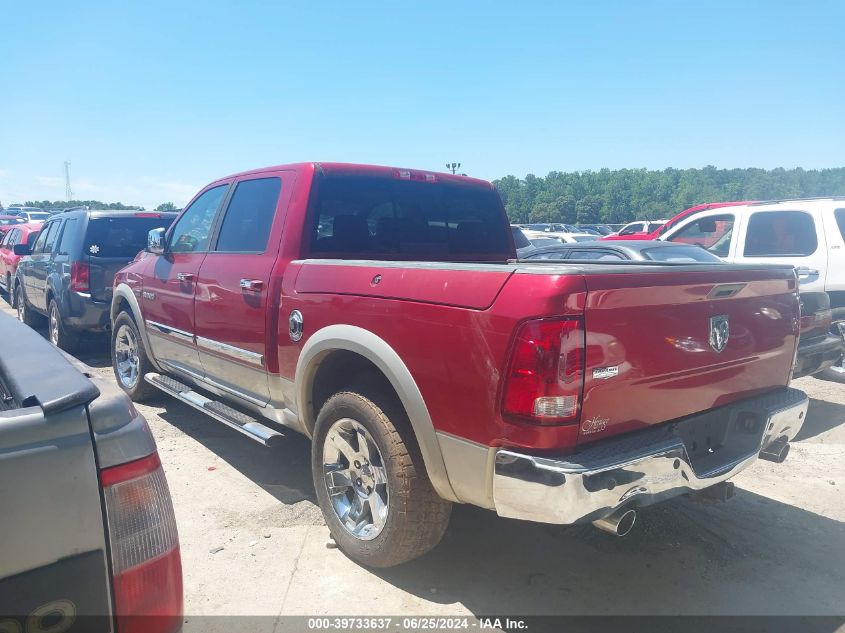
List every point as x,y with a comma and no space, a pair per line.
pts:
58,205
615,196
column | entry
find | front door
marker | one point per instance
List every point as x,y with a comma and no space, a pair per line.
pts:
233,288
38,266
168,293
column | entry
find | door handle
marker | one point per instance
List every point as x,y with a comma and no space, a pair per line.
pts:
804,271
255,285
185,276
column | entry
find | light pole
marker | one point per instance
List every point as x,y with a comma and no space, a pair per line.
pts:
453,167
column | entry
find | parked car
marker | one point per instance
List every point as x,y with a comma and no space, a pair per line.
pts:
601,229
523,246
67,276
377,311
808,234
29,214
638,230
639,250
18,234
7,222
89,540
569,238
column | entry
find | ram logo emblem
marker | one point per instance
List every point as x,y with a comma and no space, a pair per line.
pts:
720,332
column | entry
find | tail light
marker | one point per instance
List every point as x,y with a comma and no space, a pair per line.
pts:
545,372
407,174
146,563
80,275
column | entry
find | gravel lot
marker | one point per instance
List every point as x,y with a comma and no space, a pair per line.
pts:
254,542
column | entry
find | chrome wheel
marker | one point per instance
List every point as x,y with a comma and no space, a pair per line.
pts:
54,325
356,479
20,308
126,358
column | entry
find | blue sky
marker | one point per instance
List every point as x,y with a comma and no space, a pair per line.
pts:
151,100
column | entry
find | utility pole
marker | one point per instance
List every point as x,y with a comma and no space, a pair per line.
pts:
68,191
453,167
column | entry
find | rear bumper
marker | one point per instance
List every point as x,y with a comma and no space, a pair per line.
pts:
644,467
84,313
817,354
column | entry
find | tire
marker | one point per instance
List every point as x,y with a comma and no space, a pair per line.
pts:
59,335
416,517
126,342
26,314
8,287
833,374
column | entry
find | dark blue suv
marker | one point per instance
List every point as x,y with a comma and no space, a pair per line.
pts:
67,276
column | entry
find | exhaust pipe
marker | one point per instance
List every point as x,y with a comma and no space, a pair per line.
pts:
776,451
618,523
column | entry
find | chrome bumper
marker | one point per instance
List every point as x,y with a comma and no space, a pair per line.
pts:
644,467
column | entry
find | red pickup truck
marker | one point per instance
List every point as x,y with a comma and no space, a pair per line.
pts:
382,312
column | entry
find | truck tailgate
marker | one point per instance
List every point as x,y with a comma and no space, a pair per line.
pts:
655,342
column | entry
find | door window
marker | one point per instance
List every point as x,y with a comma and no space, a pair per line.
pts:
41,243
780,234
249,216
11,238
840,220
192,230
712,233
67,237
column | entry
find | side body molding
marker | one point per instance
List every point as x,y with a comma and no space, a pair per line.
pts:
377,351
124,292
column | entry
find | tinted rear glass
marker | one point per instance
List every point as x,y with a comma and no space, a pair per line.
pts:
780,234
688,254
119,237
519,239
383,218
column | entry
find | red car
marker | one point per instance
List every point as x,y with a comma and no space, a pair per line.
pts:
656,229
17,234
379,311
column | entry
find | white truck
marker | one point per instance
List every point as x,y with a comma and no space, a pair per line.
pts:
807,233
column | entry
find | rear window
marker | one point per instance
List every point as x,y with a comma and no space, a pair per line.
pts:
780,234
584,238
384,218
38,215
679,254
119,237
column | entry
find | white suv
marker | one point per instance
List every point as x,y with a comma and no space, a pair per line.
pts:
809,234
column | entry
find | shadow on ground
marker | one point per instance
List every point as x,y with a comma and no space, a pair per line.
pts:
751,555
822,416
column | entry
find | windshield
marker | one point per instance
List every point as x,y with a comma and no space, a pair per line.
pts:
519,239
584,238
120,237
38,215
679,254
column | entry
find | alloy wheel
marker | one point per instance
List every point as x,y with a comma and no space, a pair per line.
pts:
126,357
356,479
54,325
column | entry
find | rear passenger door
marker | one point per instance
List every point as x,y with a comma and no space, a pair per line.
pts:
236,306
786,236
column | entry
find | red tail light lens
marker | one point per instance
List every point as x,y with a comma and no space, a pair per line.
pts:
146,563
545,373
80,275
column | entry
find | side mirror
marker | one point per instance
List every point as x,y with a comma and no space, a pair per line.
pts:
22,249
155,241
